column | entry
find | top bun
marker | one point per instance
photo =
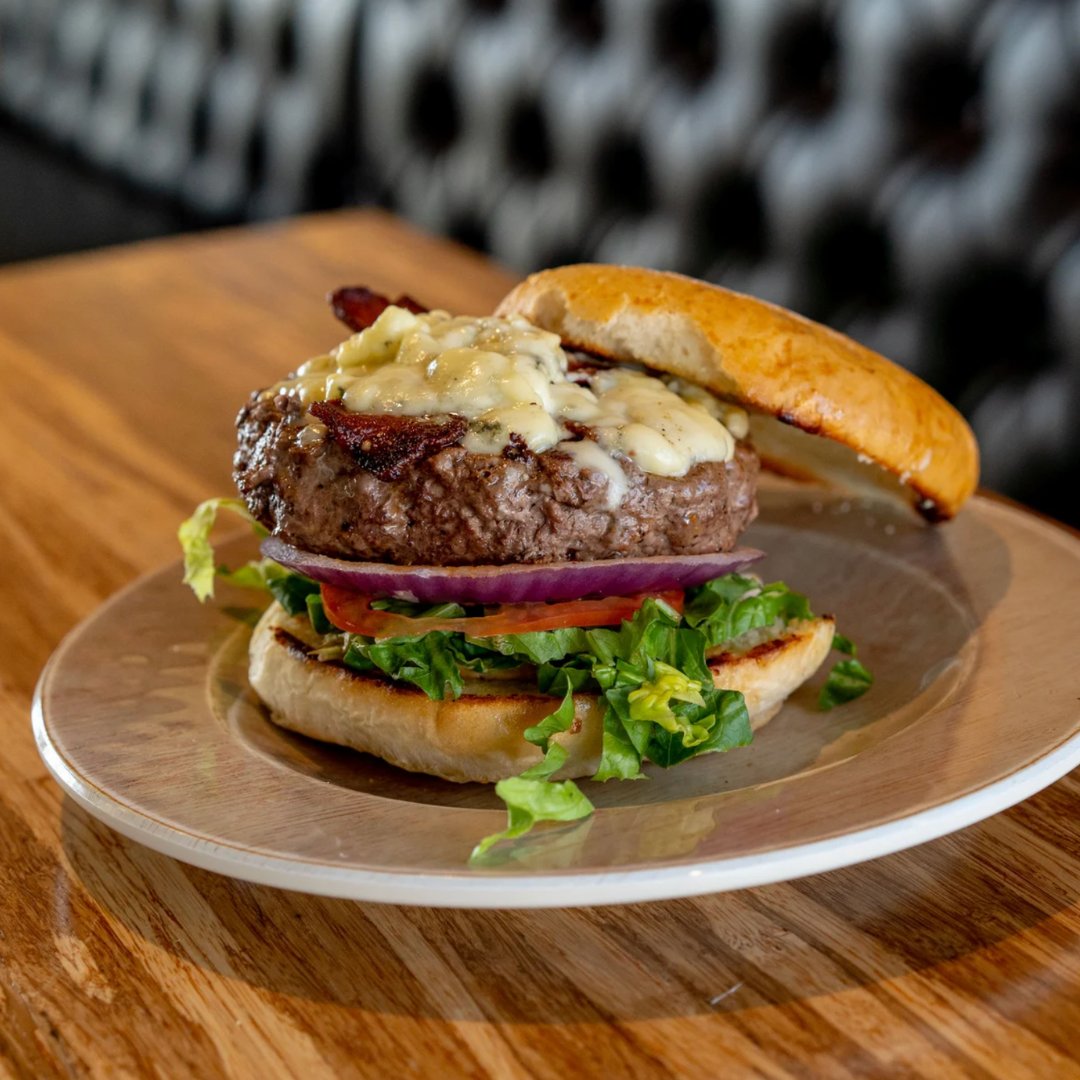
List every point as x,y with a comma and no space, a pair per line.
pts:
777,365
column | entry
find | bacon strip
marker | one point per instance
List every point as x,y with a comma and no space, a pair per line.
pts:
385,445
358,307
578,359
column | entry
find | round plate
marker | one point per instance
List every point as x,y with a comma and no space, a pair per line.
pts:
145,718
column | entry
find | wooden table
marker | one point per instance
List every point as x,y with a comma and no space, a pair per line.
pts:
122,372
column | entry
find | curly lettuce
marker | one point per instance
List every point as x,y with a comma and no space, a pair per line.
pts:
200,566
847,680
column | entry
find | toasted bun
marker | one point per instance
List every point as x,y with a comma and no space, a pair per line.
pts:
479,736
772,362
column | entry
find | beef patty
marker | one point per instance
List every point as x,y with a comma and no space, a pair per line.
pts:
451,507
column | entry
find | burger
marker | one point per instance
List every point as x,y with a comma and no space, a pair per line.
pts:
506,549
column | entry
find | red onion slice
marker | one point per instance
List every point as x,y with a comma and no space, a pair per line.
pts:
518,584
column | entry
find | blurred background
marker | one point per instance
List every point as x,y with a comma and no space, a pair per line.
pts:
905,170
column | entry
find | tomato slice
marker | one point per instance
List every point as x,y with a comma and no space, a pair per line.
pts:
352,611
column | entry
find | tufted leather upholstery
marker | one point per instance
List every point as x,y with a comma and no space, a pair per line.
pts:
906,170
230,106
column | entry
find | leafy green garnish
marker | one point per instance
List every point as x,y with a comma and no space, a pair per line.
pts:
298,596
532,799
660,701
728,607
724,720
620,757
721,722
199,566
534,796
256,574
427,661
843,644
661,704
538,646
847,680
653,699
415,610
316,614
553,724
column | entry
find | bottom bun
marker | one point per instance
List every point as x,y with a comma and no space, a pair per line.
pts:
479,737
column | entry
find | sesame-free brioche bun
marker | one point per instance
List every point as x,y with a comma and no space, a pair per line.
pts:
479,737
776,364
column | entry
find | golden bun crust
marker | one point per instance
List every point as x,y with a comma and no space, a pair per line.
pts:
479,736
770,361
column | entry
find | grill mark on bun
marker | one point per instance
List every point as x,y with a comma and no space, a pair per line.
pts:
292,644
758,652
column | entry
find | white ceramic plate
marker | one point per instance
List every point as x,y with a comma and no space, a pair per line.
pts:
145,718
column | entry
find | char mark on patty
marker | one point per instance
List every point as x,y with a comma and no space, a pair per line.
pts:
516,448
386,444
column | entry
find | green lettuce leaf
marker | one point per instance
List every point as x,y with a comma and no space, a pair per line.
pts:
427,661
533,796
555,680
723,720
355,655
317,615
847,680
727,607
194,537
552,724
650,633
418,611
538,646
257,574
843,644
620,759
529,801
670,730
432,662
638,732
477,658
296,594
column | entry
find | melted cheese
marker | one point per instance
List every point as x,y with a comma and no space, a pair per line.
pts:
589,455
508,377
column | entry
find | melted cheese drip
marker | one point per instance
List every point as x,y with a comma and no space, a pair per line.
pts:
589,455
507,377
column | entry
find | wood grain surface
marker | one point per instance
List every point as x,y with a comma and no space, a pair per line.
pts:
123,371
